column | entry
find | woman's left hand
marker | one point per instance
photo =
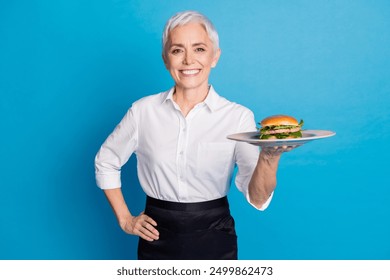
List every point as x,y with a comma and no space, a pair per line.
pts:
276,151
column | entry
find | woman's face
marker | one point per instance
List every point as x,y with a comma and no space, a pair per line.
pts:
190,56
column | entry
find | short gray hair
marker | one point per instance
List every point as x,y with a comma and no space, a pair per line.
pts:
185,17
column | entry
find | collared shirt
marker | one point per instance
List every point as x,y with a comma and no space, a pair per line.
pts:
181,159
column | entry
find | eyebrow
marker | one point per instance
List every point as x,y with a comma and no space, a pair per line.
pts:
193,45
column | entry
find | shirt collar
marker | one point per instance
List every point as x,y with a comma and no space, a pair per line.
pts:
213,100
168,95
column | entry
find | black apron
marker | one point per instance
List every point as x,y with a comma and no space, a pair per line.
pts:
190,231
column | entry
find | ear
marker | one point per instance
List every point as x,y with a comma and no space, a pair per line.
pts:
216,58
165,60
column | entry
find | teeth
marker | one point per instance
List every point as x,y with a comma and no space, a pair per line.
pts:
190,72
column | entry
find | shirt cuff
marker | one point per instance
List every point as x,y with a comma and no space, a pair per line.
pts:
264,206
108,181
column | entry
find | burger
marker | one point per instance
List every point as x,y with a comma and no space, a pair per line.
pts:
280,127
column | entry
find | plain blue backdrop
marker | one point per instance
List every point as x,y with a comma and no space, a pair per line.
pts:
69,70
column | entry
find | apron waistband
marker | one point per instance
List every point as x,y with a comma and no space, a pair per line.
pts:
184,206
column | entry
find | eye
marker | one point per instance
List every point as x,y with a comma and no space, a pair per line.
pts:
200,49
176,51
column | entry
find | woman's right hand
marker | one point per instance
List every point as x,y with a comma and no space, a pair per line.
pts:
142,225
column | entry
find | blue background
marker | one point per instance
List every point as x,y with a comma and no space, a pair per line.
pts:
70,69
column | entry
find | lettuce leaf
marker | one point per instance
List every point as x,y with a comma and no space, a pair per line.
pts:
297,134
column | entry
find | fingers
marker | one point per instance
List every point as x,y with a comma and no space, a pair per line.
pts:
286,148
278,150
150,220
144,227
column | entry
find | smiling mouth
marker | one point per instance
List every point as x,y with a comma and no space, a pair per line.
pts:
190,72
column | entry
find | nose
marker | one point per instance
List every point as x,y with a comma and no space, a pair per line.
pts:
188,58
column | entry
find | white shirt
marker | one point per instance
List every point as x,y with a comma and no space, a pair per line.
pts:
181,159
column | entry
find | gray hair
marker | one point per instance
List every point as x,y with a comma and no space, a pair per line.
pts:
185,17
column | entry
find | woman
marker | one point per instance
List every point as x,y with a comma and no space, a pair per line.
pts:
185,162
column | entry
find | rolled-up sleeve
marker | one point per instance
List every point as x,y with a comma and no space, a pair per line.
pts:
115,152
246,156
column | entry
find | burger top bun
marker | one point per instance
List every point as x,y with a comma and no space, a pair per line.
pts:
279,120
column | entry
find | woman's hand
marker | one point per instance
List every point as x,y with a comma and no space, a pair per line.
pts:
141,225
276,151
263,181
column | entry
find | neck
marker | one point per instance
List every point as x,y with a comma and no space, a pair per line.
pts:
188,98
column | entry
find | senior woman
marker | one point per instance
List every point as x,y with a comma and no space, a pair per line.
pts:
185,162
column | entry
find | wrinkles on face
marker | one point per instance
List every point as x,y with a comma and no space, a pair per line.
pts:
190,56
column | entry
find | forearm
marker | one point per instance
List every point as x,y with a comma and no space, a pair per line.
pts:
263,181
118,204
